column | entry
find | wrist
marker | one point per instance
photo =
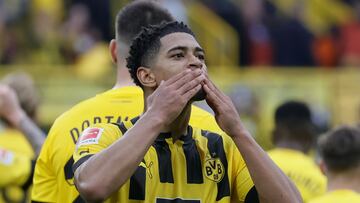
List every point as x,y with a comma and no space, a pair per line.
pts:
16,117
156,120
241,134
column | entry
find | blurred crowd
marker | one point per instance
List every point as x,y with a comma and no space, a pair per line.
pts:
289,33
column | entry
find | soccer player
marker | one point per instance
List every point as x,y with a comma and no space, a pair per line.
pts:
53,179
293,137
340,153
17,159
159,157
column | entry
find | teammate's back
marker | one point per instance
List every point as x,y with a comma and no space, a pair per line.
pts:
293,138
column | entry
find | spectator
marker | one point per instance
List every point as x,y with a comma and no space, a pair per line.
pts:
349,40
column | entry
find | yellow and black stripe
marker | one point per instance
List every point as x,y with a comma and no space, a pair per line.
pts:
194,169
199,167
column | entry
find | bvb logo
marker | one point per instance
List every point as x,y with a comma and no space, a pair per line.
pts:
214,169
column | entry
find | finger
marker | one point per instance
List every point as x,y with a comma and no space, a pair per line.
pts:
192,84
177,77
162,83
212,99
191,75
215,90
192,92
159,88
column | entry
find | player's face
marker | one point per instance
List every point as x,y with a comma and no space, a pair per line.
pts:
179,51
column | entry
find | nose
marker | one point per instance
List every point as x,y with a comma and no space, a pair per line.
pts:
195,62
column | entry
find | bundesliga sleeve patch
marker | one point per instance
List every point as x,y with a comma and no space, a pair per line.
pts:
6,157
90,136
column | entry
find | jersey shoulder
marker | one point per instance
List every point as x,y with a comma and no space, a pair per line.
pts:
121,95
204,120
214,138
96,138
104,103
337,196
14,168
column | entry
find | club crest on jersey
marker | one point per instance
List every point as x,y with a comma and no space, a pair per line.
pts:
214,169
90,136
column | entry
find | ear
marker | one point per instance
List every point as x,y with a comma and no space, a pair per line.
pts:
113,50
274,137
322,166
146,77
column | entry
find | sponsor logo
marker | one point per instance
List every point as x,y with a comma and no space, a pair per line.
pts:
214,169
6,157
90,136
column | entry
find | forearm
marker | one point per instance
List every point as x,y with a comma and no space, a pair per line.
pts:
105,172
271,183
31,131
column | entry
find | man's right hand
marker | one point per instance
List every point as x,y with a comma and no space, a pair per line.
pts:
171,96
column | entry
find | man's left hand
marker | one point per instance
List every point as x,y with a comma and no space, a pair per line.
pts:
225,112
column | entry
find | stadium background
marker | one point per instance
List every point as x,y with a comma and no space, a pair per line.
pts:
261,52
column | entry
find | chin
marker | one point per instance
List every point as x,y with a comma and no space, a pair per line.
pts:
199,96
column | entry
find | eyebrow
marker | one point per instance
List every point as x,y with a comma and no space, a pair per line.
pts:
183,48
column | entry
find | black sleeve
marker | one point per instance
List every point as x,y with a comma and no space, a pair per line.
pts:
252,196
80,161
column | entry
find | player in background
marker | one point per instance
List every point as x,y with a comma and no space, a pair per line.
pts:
294,136
53,179
20,138
339,150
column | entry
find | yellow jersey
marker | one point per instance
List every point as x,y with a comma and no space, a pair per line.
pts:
338,196
53,178
302,170
198,167
16,166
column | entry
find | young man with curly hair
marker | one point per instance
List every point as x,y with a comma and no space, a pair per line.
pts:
159,157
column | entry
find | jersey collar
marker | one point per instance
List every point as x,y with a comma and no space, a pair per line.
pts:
167,135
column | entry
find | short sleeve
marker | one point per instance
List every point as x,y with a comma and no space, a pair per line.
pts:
93,140
15,169
243,183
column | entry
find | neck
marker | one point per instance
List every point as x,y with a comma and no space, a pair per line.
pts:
349,180
179,126
123,78
288,144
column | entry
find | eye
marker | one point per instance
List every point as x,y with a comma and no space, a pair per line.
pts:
201,57
178,55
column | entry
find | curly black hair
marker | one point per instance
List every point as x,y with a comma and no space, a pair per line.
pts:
147,44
